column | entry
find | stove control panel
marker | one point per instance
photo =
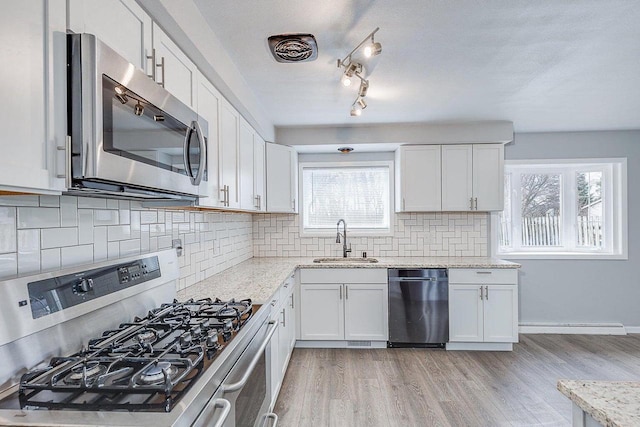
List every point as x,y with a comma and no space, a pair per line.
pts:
55,294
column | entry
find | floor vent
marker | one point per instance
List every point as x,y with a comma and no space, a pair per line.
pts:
358,343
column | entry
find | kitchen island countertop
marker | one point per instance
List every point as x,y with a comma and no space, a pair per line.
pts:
611,403
259,278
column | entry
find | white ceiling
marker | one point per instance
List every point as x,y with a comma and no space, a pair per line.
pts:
546,65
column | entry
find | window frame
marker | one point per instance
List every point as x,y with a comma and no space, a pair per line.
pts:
377,232
614,196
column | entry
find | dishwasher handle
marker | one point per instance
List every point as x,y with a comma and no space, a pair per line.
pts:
418,279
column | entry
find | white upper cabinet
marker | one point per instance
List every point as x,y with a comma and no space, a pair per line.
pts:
473,177
229,122
488,177
457,178
121,24
209,100
172,69
282,178
259,173
418,178
33,111
247,200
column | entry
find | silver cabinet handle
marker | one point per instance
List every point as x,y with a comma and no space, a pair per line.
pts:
291,296
270,416
66,149
340,292
152,57
486,292
161,65
471,203
403,204
225,405
346,292
484,272
228,388
293,205
284,318
257,202
273,302
475,201
481,292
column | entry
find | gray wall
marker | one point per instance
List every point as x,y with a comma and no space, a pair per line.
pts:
589,291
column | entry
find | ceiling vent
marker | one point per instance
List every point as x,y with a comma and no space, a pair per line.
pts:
293,47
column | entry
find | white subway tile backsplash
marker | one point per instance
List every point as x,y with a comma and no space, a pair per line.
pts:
148,217
7,229
100,243
38,217
76,255
50,259
85,226
118,232
105,217
129,247
112,204
59,237
19,201
28,251
68,211
92,203
50,201
113,250
415,234
8,265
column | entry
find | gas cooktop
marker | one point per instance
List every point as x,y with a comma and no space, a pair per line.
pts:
148,364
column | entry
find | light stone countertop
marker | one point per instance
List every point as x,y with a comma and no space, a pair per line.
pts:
259,278
611,403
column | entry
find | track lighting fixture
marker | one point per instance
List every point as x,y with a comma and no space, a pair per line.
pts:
355,69
122,98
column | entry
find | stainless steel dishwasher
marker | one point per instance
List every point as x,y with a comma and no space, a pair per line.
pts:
418,307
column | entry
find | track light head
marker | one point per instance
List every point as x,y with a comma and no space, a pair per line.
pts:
361,103
364,87
355,111
372,49
346,80
121,97
352,68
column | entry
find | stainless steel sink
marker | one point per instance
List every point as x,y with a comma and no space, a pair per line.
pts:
345,260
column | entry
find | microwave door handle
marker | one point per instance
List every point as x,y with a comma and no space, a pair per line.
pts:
185,152
228,388
203,153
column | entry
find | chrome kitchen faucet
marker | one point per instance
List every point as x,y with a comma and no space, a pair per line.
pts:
345,251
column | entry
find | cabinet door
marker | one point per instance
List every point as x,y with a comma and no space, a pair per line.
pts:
366,312
228,159
280,178
465,313
259,173
33,111
284,338
275,375
321,312
208,107
457,177
419,178
488,177
247,200
293,320
178,75
121,24
501,313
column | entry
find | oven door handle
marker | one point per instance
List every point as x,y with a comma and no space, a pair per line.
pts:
229,388
223,404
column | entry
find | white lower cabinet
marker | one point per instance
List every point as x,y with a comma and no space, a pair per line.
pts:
483,308
343,312
284,338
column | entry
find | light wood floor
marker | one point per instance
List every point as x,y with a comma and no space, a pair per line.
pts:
416,387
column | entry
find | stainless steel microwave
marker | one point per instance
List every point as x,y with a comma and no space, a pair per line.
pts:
129,137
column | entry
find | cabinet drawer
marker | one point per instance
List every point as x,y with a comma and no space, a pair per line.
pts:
484,276
343,275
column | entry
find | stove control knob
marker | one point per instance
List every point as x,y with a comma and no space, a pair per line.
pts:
83,286
185,340
212,339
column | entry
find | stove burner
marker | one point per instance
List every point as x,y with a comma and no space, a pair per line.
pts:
228,312
147,336
155,374
78,372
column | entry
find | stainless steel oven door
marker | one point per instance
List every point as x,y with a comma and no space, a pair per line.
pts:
246,388
126,129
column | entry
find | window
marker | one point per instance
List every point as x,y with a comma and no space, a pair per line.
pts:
359,193
563,209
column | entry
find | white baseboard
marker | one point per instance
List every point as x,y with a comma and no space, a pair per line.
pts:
341,344
575,328
480,346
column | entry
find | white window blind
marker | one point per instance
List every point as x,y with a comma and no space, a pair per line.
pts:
357,194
